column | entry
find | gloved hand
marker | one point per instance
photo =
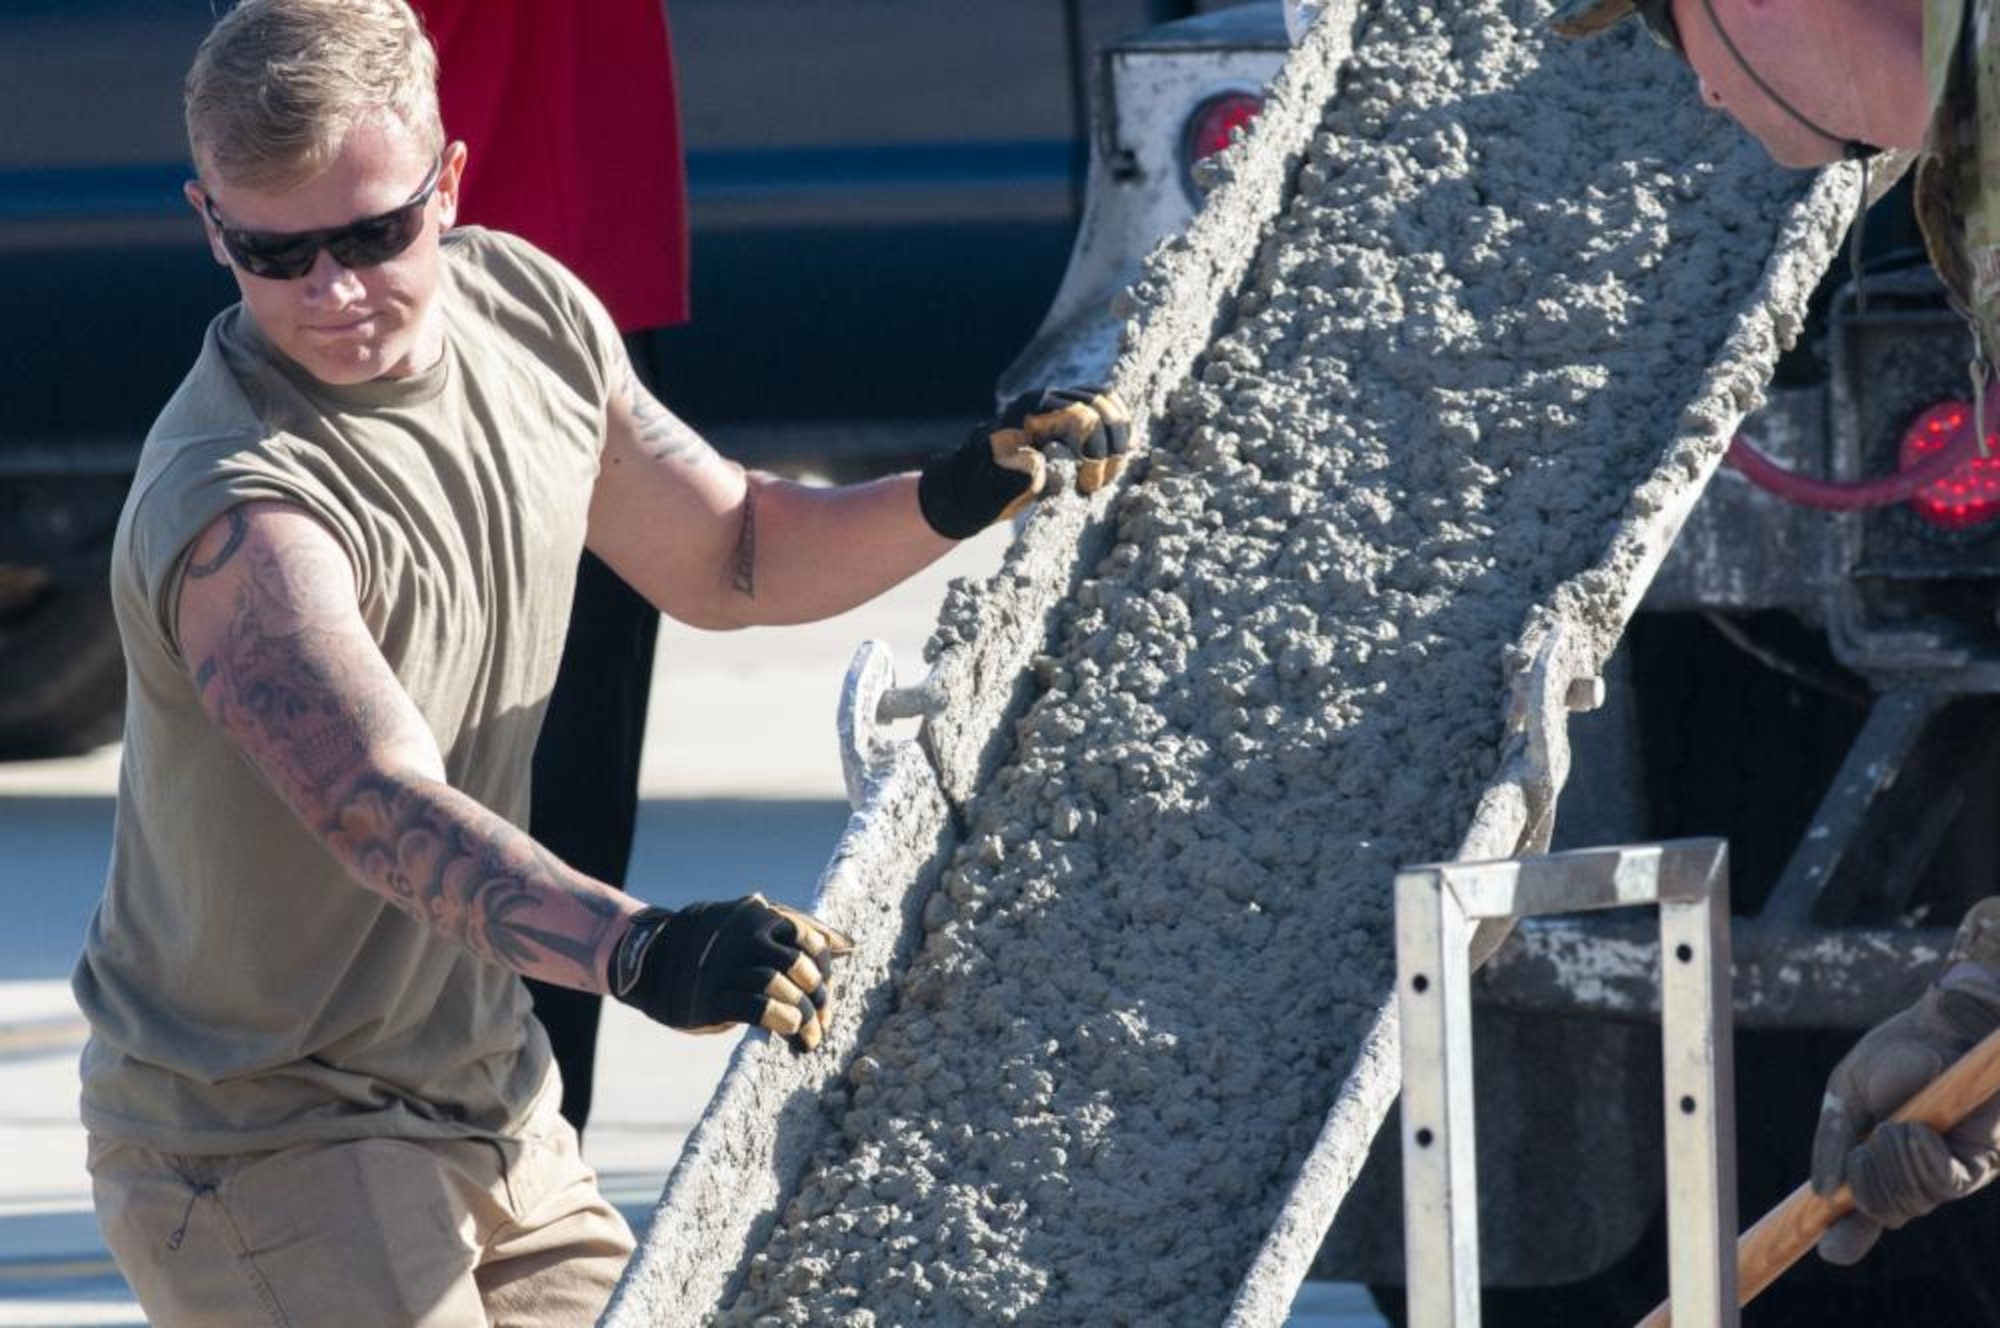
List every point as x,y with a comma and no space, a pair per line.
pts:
1000,468
706,967
1903,1169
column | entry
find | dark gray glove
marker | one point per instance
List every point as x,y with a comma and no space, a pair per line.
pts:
707,967
1000,470
1903,1170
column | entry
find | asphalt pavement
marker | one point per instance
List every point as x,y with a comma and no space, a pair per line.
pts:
741,791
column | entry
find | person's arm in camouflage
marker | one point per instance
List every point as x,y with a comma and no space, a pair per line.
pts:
1901,1170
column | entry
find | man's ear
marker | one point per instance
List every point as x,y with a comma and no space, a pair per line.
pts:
196,197
450,176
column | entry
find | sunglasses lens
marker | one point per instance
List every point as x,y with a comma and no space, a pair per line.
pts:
281,260
379,239
365,243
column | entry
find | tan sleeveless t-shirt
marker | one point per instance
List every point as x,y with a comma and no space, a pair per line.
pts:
243,992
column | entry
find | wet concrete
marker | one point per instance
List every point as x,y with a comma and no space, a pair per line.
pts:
1430,384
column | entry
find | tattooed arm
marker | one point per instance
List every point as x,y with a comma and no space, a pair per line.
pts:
284,664
716,546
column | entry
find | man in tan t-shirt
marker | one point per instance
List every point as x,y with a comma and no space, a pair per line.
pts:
313,1088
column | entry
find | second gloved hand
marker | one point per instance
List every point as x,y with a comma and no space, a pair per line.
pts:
1899,1170
746,961
1000,468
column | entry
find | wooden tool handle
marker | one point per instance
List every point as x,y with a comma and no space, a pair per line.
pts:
1785,1233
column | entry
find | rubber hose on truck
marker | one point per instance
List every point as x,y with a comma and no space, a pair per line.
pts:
1961,445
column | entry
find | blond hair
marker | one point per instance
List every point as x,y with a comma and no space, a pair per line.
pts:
277,85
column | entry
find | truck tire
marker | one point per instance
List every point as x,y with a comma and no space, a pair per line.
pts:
62,674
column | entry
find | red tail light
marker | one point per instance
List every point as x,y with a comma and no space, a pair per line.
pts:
1211,124
1970,495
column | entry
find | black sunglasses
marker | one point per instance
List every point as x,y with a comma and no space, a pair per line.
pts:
1658,16
365,243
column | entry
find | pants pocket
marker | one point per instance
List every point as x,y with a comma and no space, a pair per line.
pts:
165,1223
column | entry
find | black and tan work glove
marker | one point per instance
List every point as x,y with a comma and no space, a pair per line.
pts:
707,967
1000,469
1902,1169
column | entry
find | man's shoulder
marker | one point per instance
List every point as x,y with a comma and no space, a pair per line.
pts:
478,245
479,255
210,449
506,285
219,426
210,408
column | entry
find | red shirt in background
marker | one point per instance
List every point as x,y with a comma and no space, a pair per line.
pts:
569,113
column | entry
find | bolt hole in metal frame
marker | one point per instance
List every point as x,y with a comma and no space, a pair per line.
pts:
1437,908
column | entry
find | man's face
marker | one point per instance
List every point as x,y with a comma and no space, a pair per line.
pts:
348,325
1788,47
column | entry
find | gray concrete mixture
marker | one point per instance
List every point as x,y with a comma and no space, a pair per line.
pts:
1500,274
1501,308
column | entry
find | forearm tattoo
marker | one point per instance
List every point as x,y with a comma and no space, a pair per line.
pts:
281,677
302,699
662,436
455,866
743,575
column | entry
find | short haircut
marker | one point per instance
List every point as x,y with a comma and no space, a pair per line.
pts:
278,84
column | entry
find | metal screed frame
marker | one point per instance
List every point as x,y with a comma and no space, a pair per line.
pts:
1437,907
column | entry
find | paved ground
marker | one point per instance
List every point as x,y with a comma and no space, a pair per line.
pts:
742,791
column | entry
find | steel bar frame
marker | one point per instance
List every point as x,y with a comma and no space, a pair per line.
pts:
1437,907
1608,967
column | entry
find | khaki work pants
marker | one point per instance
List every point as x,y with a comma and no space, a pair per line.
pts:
364,1232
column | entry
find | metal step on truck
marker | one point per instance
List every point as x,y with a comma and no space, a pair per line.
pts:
1812,675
